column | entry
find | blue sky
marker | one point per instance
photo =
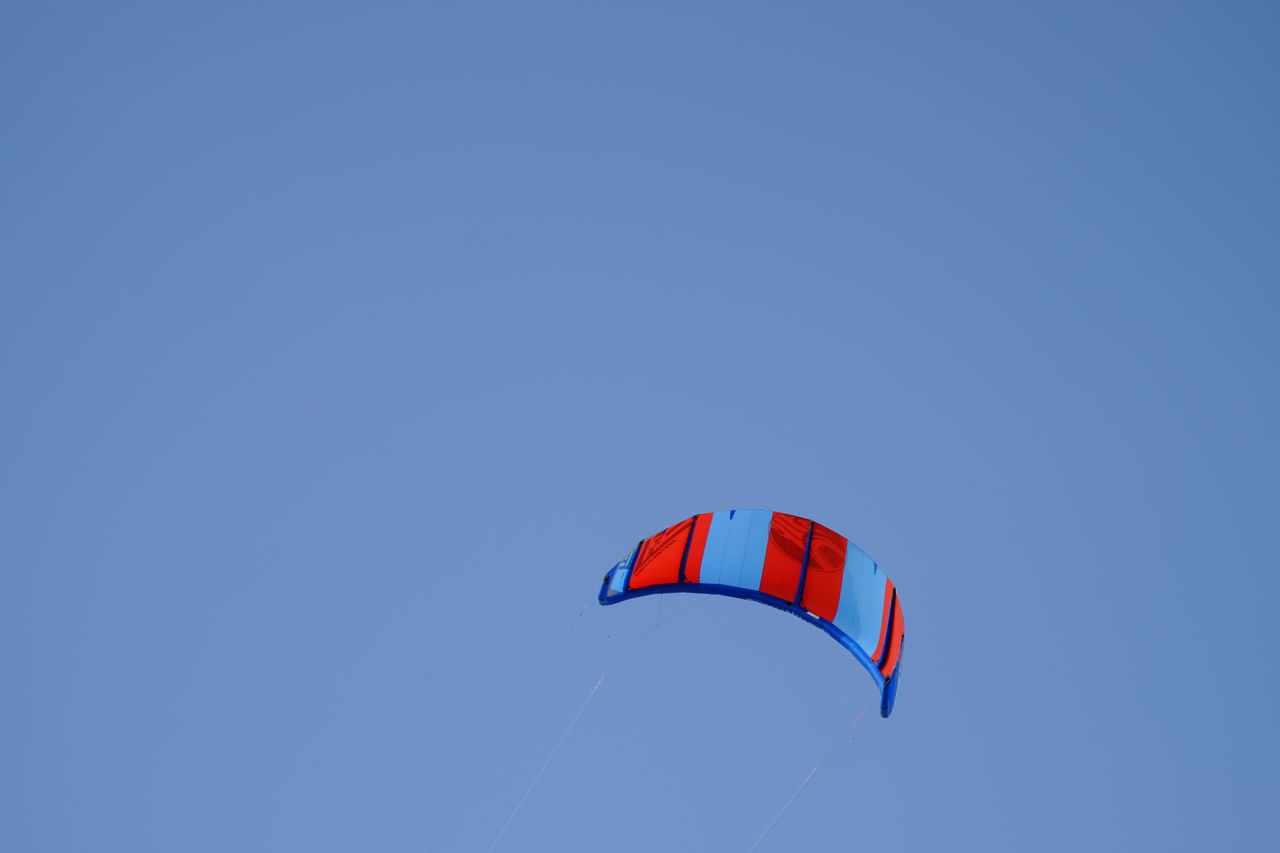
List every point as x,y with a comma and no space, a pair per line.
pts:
343,347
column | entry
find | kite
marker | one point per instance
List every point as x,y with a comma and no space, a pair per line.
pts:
785,561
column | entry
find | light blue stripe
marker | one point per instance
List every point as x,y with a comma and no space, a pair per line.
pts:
713,554
757,539
861,599
734,555
618,580
735,548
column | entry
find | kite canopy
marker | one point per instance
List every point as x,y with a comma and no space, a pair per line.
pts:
781,560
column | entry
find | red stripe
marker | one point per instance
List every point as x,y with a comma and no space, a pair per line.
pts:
784,555
884,618
895,642
659,559
693,566
825,574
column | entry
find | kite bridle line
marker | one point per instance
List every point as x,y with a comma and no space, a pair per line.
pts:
524,703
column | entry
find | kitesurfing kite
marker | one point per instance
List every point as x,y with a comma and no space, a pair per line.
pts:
785,561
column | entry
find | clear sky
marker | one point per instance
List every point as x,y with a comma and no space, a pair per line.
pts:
343,347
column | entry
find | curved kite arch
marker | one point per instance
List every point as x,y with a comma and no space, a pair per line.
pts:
785,561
